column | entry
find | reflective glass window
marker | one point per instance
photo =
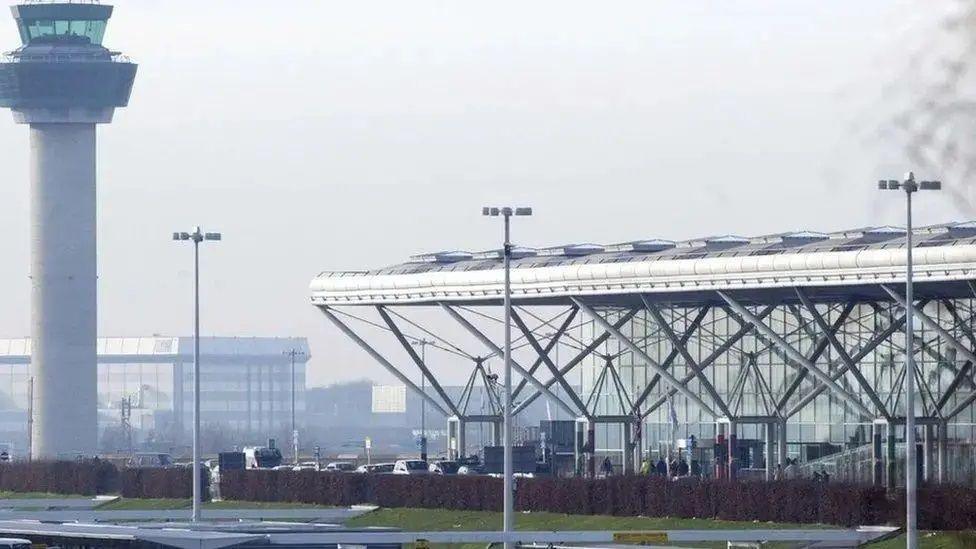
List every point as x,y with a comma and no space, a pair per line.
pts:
47,30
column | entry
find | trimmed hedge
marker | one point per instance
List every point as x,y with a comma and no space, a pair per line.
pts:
792,501
89,478
176,482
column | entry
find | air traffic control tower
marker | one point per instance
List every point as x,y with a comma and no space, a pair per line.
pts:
62,82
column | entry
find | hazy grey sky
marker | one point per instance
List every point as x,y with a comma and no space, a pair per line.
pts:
330,135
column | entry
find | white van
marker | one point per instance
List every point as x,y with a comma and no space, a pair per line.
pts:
15,543
410,467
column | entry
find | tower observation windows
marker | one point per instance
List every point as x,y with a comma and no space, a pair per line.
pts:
37,31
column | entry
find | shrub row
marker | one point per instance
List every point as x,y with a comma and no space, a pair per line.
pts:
174,482
795,501
474,493
61,477
789,501
792,501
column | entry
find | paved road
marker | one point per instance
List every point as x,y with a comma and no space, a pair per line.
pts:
49,503
336,515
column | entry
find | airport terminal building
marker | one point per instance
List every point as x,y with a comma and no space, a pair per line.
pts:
145,385
747,349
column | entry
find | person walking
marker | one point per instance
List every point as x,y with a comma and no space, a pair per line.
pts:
607,466
662,468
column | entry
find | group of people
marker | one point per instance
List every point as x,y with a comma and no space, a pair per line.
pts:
676,468
792,470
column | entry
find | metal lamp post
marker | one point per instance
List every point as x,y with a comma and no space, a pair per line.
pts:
197,236
423,343
293,354
910,186
508,499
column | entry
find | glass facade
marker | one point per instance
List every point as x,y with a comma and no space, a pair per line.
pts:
753,376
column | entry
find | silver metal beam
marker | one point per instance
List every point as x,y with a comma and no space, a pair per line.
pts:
743,330
963,373
544,356
550,345
639,353
417,360
842,353
587,351
946,336
379,358
818,350
961,407
515,365
870,346
689,331
797,356
683,350
933,325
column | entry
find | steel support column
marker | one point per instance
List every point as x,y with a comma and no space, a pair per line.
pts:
550,345
797,356
733,439
381,360
928,439
818,349
770,451
689,360
877,454
587,351
627,461
842,353
466,324
640,354
743,330
868,348
416,359
781,443
891,477
544,356
666,363
455,437
943,452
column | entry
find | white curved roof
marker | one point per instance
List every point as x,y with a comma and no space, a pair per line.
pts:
847,262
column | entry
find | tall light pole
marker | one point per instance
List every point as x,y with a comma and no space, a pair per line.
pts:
423,343
910,186
293,354
508,484
197,236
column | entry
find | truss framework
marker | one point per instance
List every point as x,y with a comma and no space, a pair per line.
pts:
729,361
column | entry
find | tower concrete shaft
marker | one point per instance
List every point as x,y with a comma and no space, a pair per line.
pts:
62,82
63,288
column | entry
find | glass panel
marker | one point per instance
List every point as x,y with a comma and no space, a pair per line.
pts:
46,30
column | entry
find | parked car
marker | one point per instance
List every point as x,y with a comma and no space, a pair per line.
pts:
306,466
375,468
150,459
445,467
262,457
340,467
15,543
410,467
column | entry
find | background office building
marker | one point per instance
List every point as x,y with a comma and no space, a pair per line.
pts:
145,390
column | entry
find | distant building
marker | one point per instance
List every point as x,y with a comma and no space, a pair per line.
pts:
147,383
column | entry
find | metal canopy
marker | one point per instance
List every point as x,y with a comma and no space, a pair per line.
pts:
792,319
